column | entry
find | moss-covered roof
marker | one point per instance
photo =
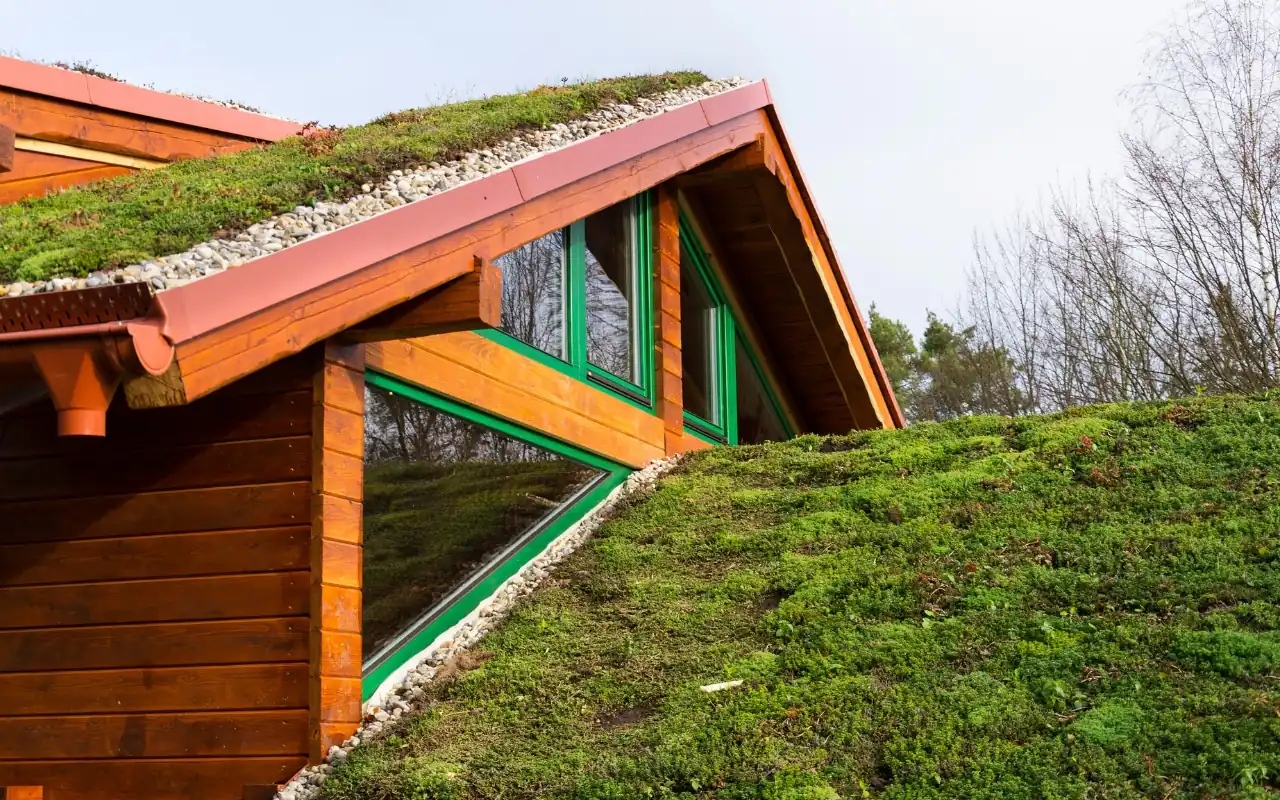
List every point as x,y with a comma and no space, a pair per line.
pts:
160,212
1079,605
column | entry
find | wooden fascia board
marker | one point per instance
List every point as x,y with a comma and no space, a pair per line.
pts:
88,90
471,302
234,323
8,142
811,219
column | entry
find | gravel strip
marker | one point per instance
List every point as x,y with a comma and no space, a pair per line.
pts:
406,694
397,189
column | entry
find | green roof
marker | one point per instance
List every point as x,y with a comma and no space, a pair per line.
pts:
161,212
1077,605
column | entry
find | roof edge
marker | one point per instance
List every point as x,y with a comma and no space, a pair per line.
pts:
77,87
820,225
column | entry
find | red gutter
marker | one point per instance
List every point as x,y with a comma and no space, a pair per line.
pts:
83,365
89,90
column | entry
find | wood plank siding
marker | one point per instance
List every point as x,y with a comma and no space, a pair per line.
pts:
156,594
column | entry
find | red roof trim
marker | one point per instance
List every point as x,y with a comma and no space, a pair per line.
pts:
77,87
221,299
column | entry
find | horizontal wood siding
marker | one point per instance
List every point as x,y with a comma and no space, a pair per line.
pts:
155,592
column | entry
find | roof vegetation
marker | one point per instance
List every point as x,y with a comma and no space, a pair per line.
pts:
160,212
1077,605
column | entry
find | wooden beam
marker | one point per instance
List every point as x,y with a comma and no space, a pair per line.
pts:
470,302
21,793
668,360
480,372
753,159
86,153
336,518
7,140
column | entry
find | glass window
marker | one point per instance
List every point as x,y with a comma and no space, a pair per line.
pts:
610,294
758,420
446,501
698,337
533,293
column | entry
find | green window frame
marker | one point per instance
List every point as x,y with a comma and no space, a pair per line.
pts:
724,356
482,586
639,393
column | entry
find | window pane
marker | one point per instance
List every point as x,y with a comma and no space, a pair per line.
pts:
757,420
533,293
697,334
610,291
444,500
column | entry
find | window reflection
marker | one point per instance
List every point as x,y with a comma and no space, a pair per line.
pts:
610,290
533,278
758,421
697,335
445,501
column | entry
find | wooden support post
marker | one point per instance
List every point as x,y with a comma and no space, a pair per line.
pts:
7,140
467,303
666,275
336,517
21,793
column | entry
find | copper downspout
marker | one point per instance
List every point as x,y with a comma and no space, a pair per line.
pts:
83,365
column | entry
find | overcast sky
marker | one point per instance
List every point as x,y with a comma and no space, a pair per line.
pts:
916,122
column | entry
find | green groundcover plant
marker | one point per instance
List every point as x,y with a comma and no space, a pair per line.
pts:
160,212
1082,605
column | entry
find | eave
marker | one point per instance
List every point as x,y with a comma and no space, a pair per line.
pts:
229,325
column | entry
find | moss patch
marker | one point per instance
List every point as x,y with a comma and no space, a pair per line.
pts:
1082,605
160,212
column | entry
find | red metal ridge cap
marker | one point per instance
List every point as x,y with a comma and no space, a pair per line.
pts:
864,332
77,87
202,306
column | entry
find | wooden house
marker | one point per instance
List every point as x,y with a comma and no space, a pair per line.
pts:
231,510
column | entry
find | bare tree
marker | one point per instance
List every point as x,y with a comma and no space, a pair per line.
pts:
1166,280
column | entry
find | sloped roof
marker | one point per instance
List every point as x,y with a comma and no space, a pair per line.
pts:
144,220
235,321
92,90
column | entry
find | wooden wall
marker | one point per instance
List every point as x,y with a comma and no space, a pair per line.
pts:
155,593
84,143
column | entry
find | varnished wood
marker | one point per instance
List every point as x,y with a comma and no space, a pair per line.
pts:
182,735
200,466
160,556
668,361
152,779
28,145
190,510
471,302
156,689
21,793
223,418
337,491
205,598
56,120
245,641
13,191
493,377
7,141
